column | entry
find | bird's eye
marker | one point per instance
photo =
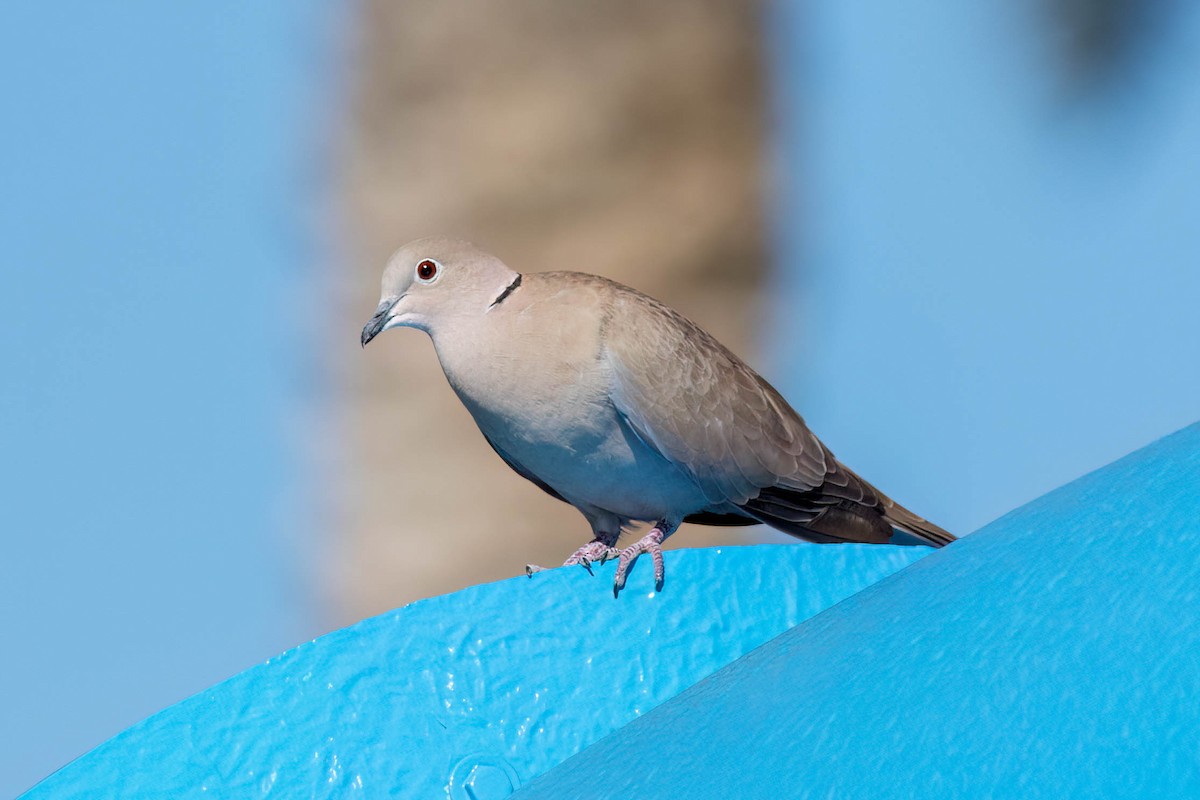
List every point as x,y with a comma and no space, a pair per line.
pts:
427,270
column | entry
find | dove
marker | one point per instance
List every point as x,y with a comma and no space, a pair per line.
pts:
613,402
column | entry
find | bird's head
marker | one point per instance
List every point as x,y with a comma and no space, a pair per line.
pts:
438,282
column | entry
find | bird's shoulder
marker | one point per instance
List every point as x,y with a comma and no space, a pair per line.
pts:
629,316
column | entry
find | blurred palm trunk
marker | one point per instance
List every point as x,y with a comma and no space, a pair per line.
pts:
621,138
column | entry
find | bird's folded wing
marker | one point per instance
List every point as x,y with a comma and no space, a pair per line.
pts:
703,409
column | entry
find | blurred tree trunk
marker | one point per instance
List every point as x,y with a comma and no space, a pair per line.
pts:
621,138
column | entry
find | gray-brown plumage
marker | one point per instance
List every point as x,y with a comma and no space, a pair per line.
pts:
620,406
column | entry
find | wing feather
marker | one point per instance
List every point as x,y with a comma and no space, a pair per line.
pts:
702,407
705,410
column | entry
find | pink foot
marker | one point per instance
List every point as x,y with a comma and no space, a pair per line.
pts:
595,550
650,543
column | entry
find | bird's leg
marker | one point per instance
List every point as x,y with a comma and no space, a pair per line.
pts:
599,549
650,543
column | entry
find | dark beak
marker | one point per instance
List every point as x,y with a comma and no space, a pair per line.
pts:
382,315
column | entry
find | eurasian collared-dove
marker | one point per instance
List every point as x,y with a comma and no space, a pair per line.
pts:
614,403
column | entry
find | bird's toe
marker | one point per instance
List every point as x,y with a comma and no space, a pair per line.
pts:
593,551
650,543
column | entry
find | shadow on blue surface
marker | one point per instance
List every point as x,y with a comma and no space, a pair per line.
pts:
1054,653
487,687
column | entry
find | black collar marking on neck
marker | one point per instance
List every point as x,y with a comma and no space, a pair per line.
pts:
512,287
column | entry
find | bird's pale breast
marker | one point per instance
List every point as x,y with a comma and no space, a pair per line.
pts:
542,394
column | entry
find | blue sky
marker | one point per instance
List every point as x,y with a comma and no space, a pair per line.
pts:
159,166
990,284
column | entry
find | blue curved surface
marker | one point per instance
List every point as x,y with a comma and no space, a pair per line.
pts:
473,694
1054,653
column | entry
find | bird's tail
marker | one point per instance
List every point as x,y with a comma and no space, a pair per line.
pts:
845,508
904,520
899,517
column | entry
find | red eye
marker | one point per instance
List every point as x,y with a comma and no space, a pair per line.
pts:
427,269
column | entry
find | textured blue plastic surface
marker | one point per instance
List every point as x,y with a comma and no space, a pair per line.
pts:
475,693
1054,653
